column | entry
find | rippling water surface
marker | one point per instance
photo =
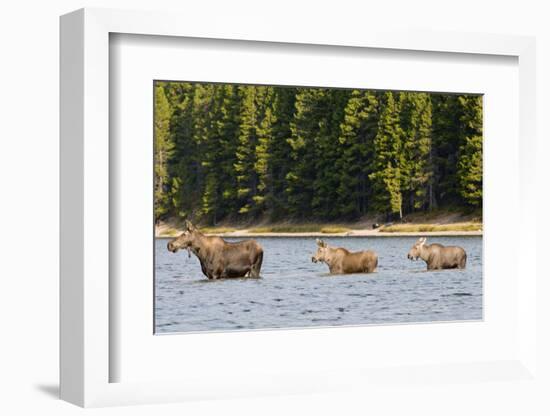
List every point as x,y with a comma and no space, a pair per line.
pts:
294,292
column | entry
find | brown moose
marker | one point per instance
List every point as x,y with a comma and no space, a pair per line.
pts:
220,259
342,261
437,256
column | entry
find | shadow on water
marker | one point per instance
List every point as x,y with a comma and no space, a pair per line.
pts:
336,275
434,271
204,280
415,271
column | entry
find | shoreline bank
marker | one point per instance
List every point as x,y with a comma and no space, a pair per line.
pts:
351,233
435,224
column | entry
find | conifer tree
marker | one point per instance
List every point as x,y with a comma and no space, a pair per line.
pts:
328,151
206,115
263,197
229,131
183,166
305,129
253,105
281,162
387,159
416,169
357,133
445,144
163,150
470,159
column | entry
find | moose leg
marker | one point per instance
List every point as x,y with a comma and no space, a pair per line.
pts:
373,265
220,273
462,264
204,271
256,267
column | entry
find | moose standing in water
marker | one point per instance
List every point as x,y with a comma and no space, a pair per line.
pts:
438,257
340,260
220,259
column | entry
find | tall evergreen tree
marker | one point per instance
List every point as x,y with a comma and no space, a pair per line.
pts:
445,144
229,131
416,169
205,111
470,159
281,162
252,113
327,153
163,150
387,160
305,129
358,131
184,162
263,198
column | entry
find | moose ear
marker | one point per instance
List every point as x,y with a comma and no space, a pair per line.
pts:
189,225
321,243
422,240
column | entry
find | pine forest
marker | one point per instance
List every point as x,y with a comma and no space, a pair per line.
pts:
247,153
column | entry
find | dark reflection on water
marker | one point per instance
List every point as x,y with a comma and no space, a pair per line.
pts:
294,292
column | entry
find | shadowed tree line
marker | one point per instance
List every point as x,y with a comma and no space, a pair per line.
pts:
244,153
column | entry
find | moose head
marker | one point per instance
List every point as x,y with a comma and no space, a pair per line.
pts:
186,240
416,250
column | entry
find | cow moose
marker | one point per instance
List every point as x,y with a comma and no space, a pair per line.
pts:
437,256
218,258
342,261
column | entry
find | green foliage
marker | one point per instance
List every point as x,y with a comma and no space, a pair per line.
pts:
387,159
416,165
280,163
185,157
328,152
251,166
228,127
263,199
357,133
457,149
163,150
306,127
470,160
242,153
206,114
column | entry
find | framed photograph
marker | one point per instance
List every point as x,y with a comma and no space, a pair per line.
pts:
254,165
271,213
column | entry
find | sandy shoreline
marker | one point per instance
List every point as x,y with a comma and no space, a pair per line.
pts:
351,233
436,224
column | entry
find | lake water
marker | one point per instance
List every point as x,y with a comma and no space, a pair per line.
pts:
294,292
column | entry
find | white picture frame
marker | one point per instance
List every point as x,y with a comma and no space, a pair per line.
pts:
86,355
